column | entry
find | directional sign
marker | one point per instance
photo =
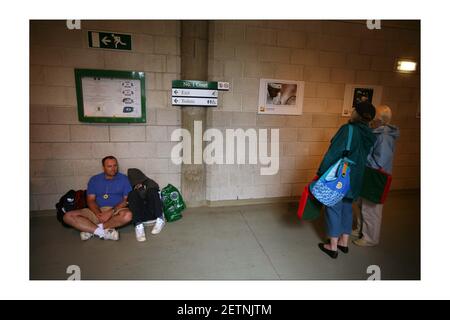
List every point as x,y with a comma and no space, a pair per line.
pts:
194,93
194,84
197,93
184,101
109,40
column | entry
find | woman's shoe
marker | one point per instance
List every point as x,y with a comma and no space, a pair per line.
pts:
331,253
342,248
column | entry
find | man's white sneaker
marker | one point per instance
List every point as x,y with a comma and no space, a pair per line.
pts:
158,226
111,234
86,235
140,233
149,223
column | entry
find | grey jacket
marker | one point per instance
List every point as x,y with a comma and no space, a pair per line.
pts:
382,153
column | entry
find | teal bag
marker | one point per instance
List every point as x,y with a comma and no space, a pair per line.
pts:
173,203
334,184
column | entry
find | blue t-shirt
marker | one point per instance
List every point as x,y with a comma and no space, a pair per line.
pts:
112,189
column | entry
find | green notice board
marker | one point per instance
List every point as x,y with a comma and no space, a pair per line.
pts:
110,96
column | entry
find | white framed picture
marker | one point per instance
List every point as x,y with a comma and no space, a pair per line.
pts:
355,93
280,96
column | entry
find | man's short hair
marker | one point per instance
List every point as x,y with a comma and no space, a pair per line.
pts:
108,158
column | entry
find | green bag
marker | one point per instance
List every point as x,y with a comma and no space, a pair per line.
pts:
376,185
173,203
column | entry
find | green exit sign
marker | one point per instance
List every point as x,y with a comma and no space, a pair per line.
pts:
109,40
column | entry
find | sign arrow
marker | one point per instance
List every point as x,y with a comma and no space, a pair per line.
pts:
108,40
176,91
105,40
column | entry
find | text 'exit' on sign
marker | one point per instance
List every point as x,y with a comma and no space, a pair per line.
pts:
194,93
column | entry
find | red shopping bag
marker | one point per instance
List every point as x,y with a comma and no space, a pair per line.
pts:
309,208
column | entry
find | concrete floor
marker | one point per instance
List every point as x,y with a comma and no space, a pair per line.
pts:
258,242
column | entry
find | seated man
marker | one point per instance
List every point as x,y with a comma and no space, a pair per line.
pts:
107,204
145,203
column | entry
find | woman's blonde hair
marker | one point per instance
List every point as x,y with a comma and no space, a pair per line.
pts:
384,114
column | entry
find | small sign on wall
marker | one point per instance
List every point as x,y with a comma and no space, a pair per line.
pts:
109,40
355,93
281,96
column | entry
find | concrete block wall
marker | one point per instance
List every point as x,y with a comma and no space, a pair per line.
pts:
326,55
64,153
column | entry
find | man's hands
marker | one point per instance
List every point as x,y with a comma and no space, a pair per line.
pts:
105,215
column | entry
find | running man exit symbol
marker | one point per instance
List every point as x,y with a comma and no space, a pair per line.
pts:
108,40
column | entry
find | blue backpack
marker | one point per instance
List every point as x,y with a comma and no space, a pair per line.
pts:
334,184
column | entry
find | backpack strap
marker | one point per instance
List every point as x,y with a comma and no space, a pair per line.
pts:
350,136
349,142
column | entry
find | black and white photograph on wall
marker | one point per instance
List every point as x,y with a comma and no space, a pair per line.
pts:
280,97
357,93
361,95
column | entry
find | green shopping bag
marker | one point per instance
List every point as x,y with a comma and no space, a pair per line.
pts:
376,185
173,203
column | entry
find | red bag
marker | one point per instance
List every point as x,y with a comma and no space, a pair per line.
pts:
309,208
80,199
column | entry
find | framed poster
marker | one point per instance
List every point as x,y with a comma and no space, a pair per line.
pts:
110,96
355,93
280,96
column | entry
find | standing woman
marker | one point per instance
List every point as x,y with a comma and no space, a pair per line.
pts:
339,217
380,157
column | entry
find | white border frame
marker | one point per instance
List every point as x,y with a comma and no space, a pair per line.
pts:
264,108
349,92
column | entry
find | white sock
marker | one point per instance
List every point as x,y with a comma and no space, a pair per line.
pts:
100,225
99,232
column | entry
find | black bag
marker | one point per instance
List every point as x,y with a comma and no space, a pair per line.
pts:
72,200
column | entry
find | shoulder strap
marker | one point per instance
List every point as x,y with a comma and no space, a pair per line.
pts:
350,136
349,142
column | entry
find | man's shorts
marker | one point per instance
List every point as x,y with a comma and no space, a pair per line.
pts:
87,213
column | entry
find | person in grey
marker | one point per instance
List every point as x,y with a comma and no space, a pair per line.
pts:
380,157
